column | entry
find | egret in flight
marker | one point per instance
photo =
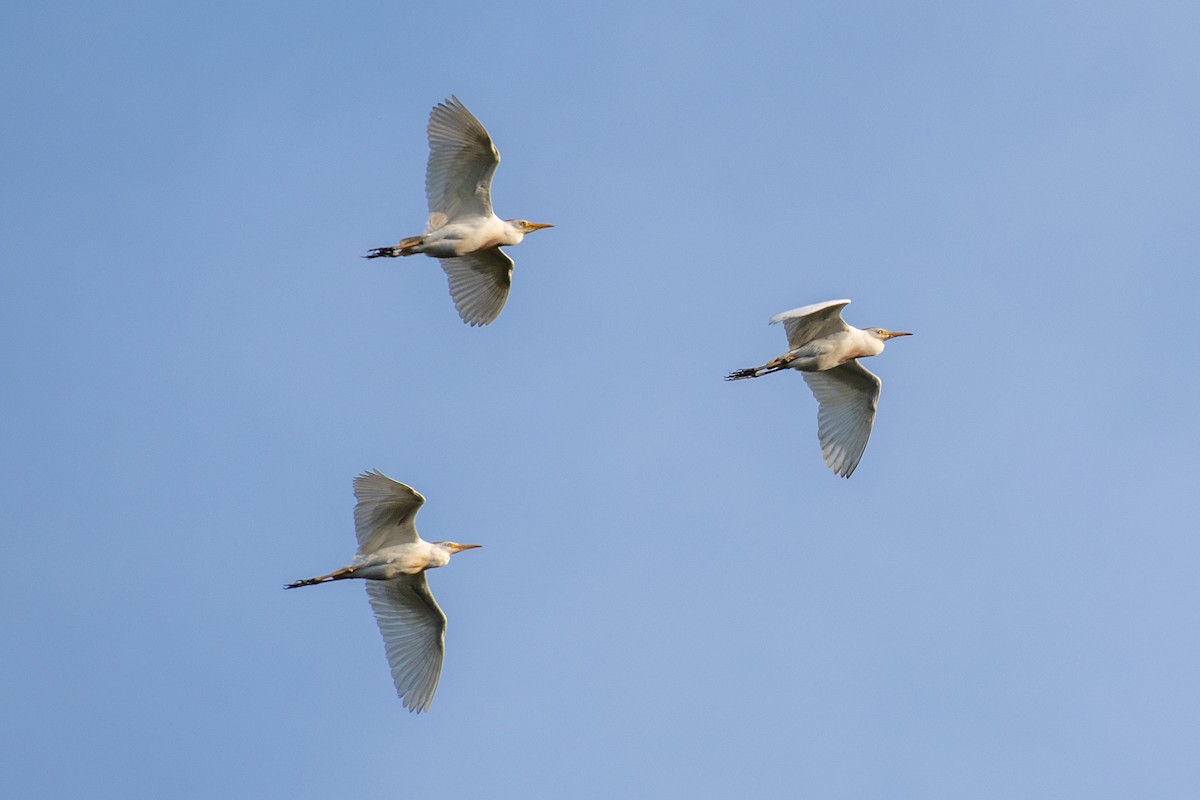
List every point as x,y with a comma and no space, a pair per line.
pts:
393,560
463,231
826,351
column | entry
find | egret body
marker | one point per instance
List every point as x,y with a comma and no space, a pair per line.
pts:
393,560
826,351
463,231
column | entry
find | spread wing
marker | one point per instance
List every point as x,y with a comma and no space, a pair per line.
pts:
462,159
479,284
385,512
847,395
812,322
414,636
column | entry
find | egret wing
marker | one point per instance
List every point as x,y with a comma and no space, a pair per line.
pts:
812,322
847,395
462,158
479,284
385,512
414,636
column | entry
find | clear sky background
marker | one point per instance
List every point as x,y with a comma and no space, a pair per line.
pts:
675,597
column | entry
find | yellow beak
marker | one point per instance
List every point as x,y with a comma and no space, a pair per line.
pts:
894,334
462,547
534,226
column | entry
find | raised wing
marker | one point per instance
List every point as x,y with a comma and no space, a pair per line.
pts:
812,322
414,636
847,395
479,284
385,512
462,158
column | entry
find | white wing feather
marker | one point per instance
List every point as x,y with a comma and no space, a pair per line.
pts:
414,636
848,395
479,284
462,159
385,512
812,322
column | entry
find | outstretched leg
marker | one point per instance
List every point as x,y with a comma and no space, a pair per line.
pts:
407,247
336,575
774,365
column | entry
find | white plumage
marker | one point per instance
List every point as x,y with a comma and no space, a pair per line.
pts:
393,560
463,231
825,349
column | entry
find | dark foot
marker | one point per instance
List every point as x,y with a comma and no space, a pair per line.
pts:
750,372
305,582
389,252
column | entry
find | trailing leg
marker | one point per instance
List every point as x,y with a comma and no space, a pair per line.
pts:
336,575
774,365
407,247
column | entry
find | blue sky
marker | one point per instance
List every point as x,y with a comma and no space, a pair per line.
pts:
675,597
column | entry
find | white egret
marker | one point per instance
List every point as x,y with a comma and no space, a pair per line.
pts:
393,560
463,231
825,349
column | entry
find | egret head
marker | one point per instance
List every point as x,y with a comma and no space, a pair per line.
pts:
525,226
455,547
882,334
